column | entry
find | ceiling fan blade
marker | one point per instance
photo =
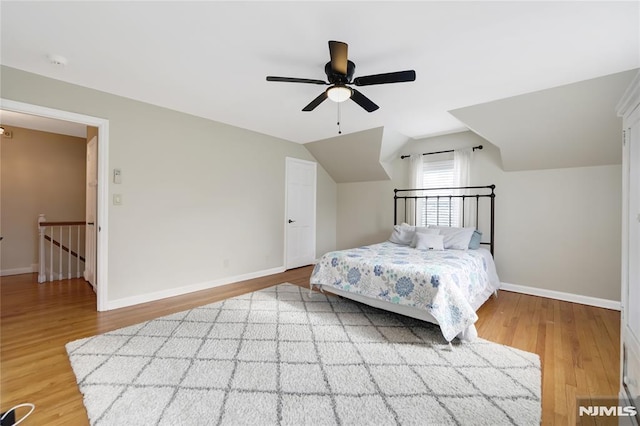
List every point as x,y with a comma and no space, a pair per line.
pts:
338,51
317,101
363,101
390,77
296,80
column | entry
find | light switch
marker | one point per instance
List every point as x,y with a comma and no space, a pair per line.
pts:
117,176
117,199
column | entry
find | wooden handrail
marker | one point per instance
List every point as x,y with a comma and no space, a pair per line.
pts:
61,223
65,248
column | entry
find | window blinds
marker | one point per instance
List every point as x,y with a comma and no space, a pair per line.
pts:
443,211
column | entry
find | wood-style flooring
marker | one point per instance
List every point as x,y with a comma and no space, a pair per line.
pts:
578,345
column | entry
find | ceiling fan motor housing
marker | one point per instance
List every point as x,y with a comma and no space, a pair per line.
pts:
337,78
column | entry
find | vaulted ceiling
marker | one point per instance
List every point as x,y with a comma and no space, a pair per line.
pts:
574,125
210,59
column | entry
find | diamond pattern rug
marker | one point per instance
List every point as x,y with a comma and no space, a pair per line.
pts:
280,356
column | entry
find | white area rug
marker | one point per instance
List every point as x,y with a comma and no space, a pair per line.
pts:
281,357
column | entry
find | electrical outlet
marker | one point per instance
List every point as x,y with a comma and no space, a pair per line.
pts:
117,199
7,134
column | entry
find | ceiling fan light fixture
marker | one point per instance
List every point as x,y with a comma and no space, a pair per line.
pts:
339,93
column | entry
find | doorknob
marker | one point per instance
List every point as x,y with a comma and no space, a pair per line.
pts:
291,221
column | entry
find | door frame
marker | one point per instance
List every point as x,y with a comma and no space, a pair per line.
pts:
289,160
102,243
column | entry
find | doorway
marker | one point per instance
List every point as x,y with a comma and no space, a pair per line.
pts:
101,244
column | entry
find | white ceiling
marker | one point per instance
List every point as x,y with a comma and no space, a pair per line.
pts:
210,59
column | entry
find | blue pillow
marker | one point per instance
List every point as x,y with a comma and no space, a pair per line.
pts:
475,240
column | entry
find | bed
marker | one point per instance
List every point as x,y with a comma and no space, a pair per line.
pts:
427,281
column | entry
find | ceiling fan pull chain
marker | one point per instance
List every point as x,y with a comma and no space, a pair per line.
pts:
339,129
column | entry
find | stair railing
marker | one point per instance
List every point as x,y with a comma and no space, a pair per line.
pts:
61,249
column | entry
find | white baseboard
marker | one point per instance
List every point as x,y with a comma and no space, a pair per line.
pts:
559,295
18,271
163,294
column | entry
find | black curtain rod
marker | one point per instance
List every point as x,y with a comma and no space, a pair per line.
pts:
438,152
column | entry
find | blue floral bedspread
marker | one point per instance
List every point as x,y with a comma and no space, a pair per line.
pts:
442,282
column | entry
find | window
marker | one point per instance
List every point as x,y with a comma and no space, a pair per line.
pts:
443,211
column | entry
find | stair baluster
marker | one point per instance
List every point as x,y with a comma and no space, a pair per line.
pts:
61,244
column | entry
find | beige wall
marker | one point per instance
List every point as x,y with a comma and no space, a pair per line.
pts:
197,194
40,173
556,229
365,210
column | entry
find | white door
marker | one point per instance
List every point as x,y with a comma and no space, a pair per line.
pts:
91,228
300,213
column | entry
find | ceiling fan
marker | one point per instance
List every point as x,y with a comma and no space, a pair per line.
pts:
339,75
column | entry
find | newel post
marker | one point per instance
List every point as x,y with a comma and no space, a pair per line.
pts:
42,277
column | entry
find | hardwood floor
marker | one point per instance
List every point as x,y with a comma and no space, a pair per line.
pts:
578,345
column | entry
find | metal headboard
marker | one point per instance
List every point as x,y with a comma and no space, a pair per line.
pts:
405,198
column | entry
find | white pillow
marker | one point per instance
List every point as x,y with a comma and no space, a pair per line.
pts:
429,241
456,238
423,230
402,234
